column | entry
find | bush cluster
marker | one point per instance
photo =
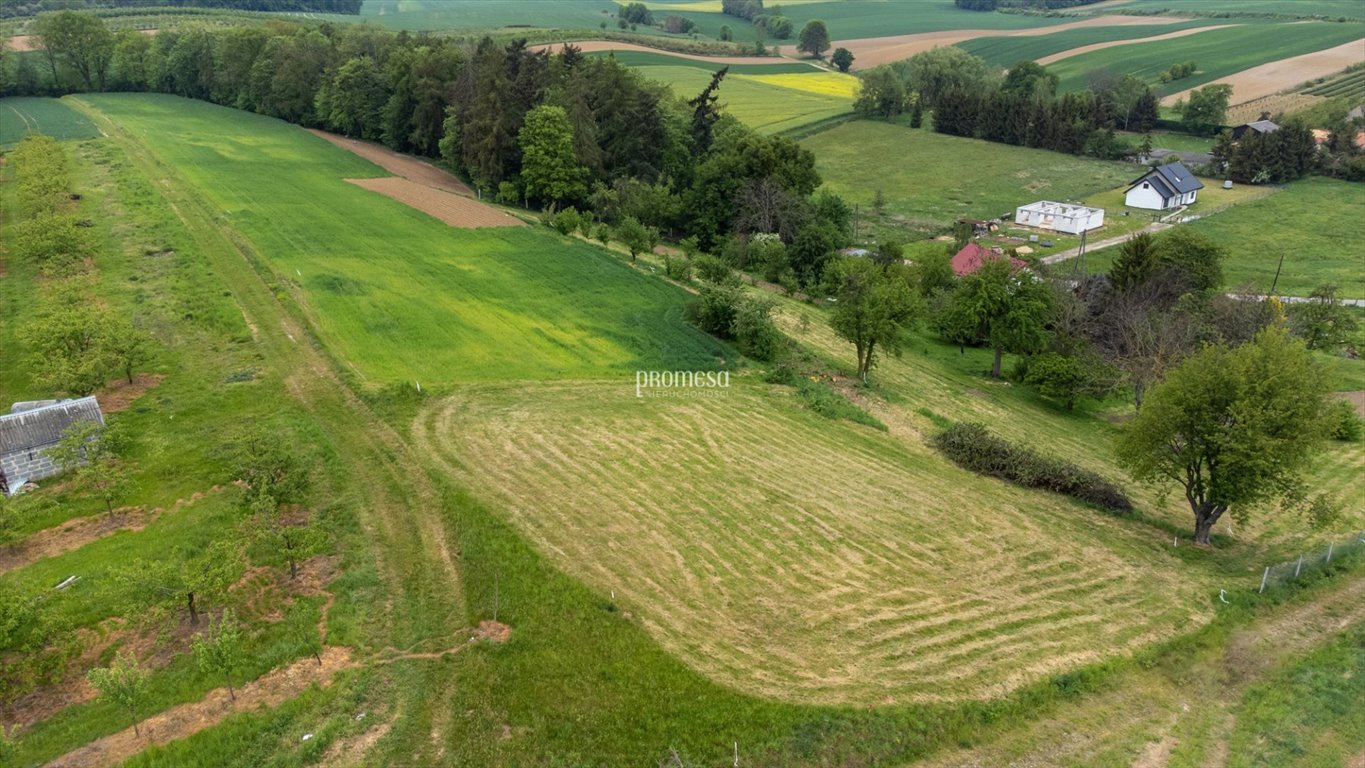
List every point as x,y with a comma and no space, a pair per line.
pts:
1345,424
972,446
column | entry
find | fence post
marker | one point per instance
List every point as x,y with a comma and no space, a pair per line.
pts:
1329,551
1263,578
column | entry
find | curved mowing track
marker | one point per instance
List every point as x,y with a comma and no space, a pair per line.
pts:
799,558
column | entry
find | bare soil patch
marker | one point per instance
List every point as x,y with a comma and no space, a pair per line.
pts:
73,534
21,43
872,51
1110,44
455,210
118,395
492,631
186,720
399,164
1276,76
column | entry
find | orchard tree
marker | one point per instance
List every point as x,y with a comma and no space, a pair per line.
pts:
129,346
814,38
218,650
123,684
842,58
92,451
871,308
549,168
1008,311
188,579
636,237
66,341
1232,427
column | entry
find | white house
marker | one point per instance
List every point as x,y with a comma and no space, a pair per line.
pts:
1059,217
1165,186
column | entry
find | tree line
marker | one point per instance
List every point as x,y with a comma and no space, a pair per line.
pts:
14,8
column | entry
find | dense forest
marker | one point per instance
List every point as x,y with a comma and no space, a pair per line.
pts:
526,126
12,8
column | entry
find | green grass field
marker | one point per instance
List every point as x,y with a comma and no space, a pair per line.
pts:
769,102
1218,52
930,180
488,14
1005,52
21,114
879,18
355,256
1303,223
1330,8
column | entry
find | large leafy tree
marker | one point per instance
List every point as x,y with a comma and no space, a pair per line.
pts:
871,309
1232,427
1006,310
353,101
81,40
814,38
549,167
1207,108
842,58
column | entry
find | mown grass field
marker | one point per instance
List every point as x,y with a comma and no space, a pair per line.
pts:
770,102
21,114
1330,8
502,303
1304,224
1218,53
930,180
1005,52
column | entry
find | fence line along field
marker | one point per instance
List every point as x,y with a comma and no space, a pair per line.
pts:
743,530
396,294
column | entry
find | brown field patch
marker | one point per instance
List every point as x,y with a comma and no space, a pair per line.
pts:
1282,75
1288,103
455,210
399,164
1112,43
802,559
119,394
872,51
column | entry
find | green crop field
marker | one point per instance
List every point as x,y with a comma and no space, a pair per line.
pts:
878,18
356,256
20,115
1348,84
661,59
1218,53
432,15
1303,224
1005,52
1305,8
768,102
930,180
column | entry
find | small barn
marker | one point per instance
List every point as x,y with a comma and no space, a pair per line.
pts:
973,257
1059,217
32,429
1261,127
1165,186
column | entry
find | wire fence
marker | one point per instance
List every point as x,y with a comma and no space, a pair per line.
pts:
1334,550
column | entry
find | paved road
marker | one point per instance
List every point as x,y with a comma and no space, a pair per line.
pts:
1071,254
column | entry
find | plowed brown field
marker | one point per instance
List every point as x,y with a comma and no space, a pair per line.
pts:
455,210
399,164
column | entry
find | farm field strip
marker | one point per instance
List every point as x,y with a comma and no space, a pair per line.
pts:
21,114
455,210
1006,51
1284,74
399,164
754,564
769,104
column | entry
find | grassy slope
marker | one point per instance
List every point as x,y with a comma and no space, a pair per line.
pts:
358,256
1303,222
20,114
932,178
1218,52
768,102
1007,51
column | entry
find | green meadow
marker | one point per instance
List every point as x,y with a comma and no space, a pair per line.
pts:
1302,8
1218,53
1005,52
399,296
22,114
767,101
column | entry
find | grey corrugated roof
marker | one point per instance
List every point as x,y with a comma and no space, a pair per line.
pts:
43,427
1263,126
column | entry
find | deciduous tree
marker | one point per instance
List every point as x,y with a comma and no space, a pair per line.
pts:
123,683
842,58
549,168
218,649
814,39
871,309
92,451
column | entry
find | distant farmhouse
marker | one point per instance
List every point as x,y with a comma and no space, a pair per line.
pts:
1165,186
30,430
1257,126
973,257
1059,217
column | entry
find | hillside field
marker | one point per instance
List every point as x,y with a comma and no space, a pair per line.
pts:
1005,52
930,180
355,256
21,114
1218,53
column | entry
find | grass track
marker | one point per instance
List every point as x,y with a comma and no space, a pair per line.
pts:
747,551
556,307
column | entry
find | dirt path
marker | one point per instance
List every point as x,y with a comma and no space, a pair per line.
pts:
399,164
1282,75
1112,43
455,210
186,720
1108,242
871,51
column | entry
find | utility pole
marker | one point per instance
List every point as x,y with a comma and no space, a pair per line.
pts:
1276,281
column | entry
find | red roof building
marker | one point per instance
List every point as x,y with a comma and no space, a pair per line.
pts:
972,257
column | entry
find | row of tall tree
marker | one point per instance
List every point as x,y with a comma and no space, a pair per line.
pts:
13,8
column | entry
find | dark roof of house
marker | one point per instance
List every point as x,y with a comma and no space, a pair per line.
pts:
973,257
1174,177
43,427
1259,126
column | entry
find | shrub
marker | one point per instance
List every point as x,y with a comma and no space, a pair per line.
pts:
973,447
568,220
1346,424
678,269
712,269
